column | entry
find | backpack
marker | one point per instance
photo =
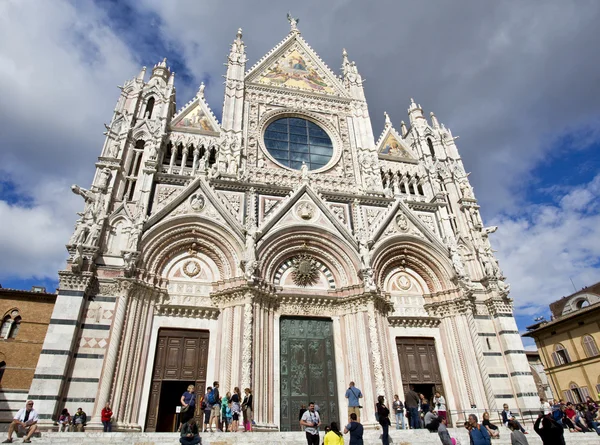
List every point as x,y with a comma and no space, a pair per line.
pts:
211,398
202,404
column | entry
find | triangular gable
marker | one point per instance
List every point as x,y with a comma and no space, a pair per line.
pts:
401,220
293,64
196,117
198,197
392,147
284,213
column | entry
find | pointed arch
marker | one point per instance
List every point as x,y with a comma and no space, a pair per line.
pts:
339,261
149,108
402,251
11,322
560,356
185,233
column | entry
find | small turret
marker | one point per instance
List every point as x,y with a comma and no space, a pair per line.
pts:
171,82
415,112
161,71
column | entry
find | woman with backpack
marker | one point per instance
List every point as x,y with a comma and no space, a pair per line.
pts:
235,409
207,408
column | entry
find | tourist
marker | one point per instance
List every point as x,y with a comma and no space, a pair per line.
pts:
411,401
188,405
333,436
353,395
443,431
25,422
235,409
507,415
516,436
491,428
429,418
580,418
189,433
398,408
64,421
247,409
569,418
311,422
591,404
551,432
439,404
478,434
207,408
590,419
79,420
383,416
355,429
106,415
302,411
216,407
224,405
229,417
545,407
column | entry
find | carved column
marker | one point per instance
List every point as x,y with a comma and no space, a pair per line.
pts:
247,346
376,349
487,384
110,361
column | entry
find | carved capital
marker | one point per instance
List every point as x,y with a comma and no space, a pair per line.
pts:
71,281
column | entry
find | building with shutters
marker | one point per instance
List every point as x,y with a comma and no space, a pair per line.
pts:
568,345
285,248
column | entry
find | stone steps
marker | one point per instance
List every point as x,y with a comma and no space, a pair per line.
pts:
411,437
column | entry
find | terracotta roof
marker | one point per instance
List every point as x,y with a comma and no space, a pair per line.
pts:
5,292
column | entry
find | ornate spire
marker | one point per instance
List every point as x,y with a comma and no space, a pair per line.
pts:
434,121
293,23
238,51
142,74
403,129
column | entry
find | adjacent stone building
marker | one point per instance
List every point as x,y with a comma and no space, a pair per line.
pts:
568,345
284,248
25,319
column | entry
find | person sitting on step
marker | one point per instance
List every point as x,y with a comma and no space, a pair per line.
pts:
189,433
25,422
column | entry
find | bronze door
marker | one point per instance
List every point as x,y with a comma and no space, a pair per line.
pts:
181,359
307,370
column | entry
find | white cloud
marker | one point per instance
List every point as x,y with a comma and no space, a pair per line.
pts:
59,68
546,246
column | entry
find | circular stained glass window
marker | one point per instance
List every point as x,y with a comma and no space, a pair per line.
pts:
293,141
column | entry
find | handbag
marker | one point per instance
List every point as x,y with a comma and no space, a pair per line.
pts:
185,408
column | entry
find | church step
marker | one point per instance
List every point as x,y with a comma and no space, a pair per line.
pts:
413,437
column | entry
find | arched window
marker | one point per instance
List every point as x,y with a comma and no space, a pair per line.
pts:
589,345
10,324
431,150
560,355
582,303
149,108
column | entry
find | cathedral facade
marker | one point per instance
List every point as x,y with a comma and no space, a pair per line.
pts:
285,249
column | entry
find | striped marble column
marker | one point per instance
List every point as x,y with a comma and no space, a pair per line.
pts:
57,353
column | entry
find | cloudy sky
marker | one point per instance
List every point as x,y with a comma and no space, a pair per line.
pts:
518,81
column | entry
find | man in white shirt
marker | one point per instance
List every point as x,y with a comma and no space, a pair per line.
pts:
24,422
311,421
545,407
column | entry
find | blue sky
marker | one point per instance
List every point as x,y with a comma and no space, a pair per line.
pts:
518,82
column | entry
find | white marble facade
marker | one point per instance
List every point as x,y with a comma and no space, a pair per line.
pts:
194,222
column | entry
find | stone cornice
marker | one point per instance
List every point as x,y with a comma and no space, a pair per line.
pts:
210,313
414,322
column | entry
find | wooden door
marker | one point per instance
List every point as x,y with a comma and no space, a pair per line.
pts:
307,370
181,356
418,362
